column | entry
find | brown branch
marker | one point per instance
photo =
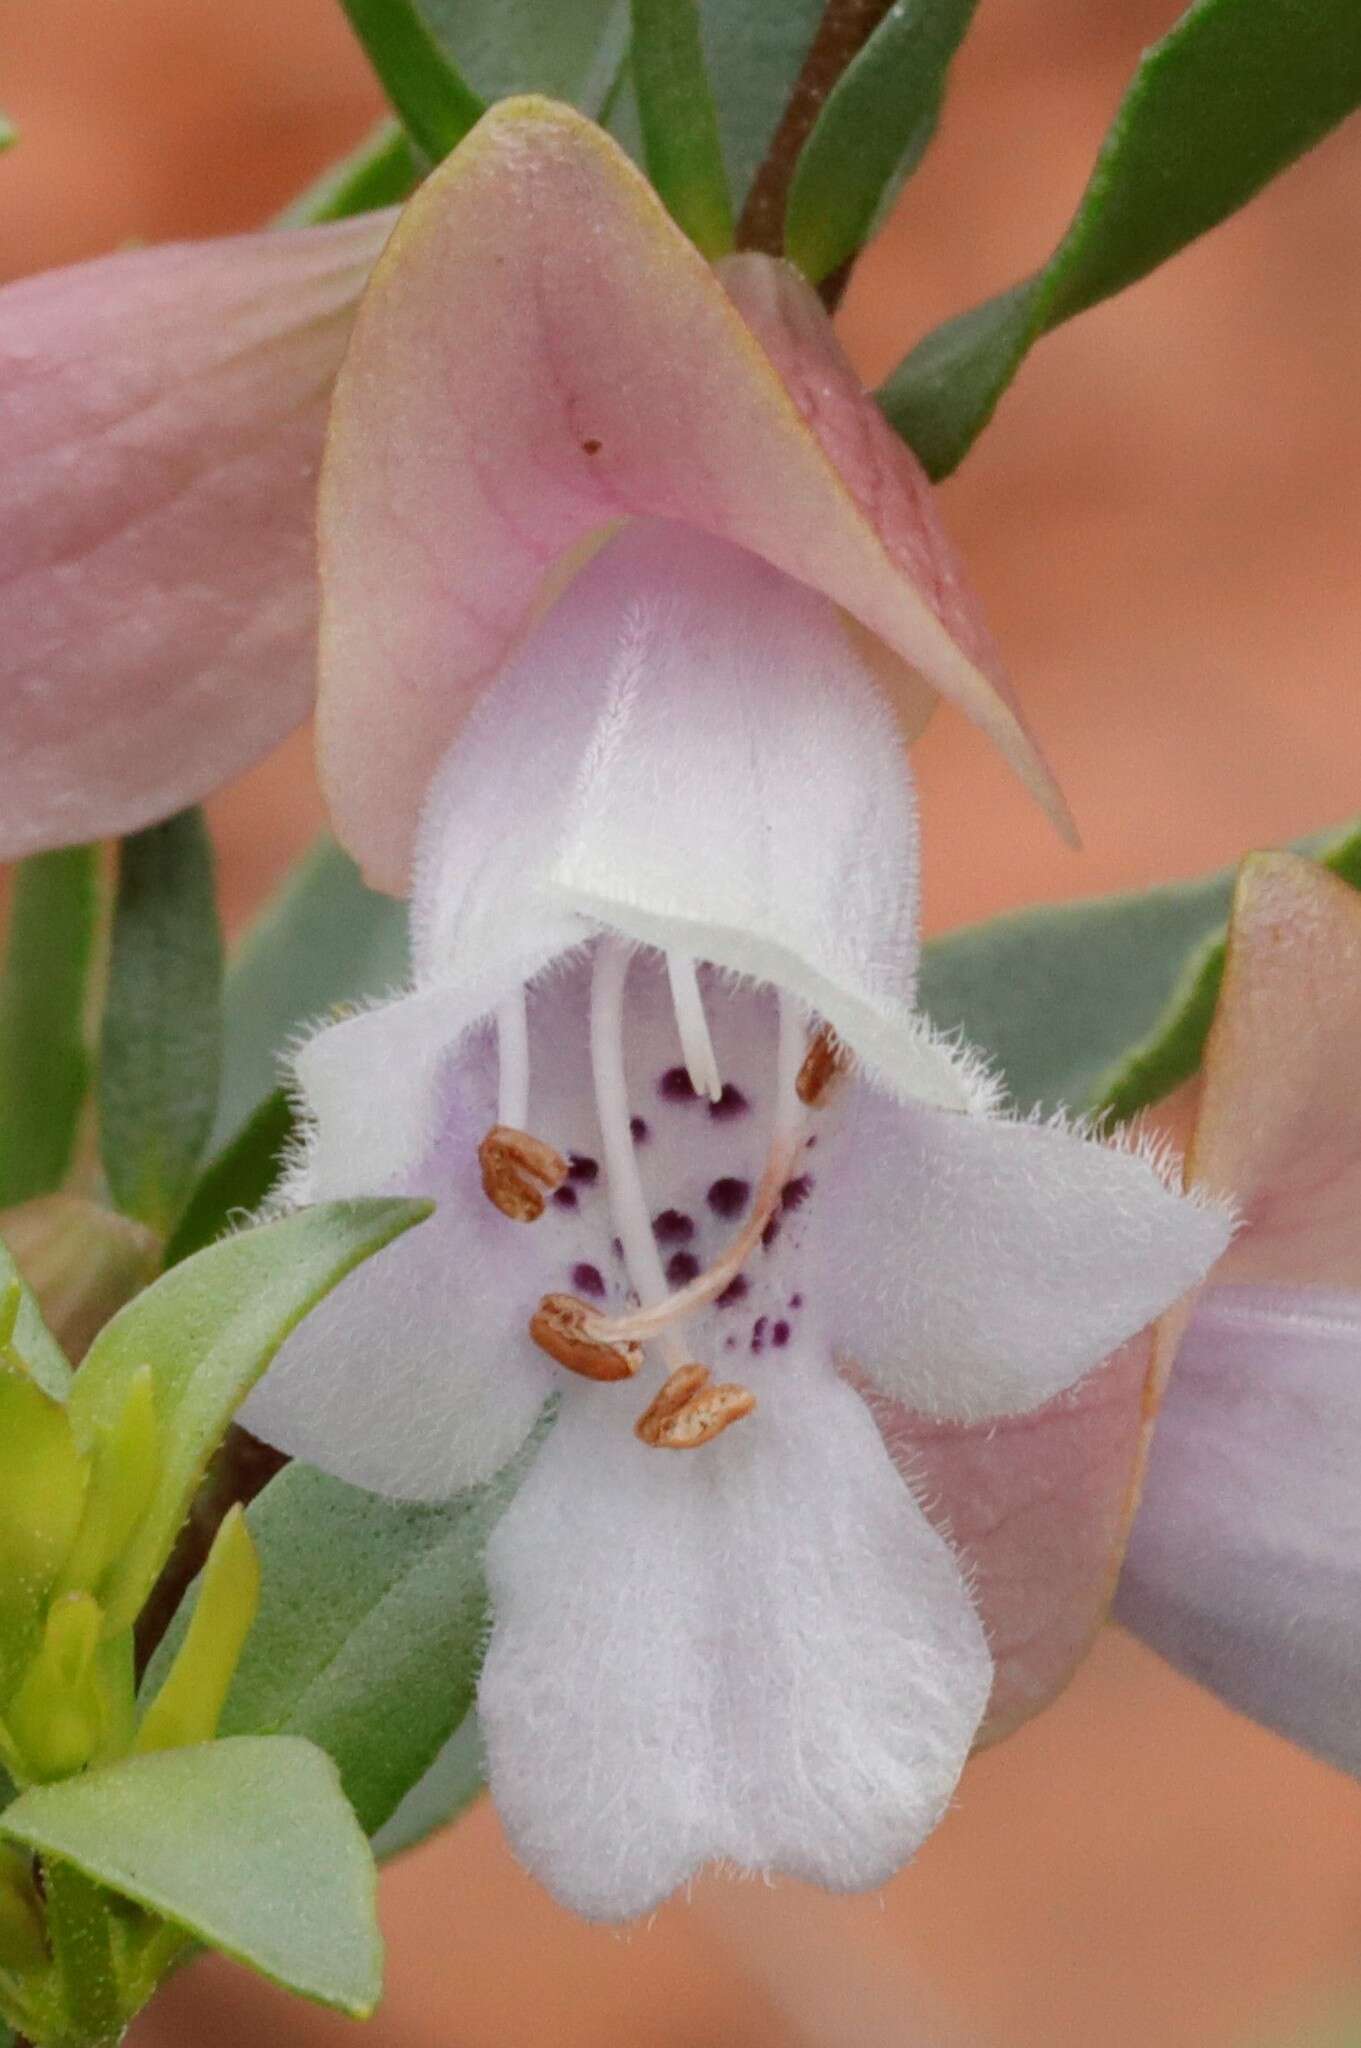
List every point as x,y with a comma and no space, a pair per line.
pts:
845,28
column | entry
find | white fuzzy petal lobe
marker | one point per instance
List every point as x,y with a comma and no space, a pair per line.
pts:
976,1266
758,1652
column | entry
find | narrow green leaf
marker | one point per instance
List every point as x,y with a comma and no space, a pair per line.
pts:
325,939
446,1791
161,1047
435,101
679,125
248,1845
370,1630
383,171
1171,1052
549,46
207,1330
236,1182
83,1950
1058,996
44,1065
1233,94
872,132
37,1347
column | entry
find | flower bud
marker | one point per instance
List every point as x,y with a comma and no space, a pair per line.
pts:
82,1262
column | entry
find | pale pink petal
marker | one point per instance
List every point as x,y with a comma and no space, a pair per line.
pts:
1280,1113
1038,1508
1244,1569
161,414
543,353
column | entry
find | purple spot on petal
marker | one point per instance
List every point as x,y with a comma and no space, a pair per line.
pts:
779,1336
587,1280
795,1192
581,1167
736,1290
616,1247
681,1269
796,1301
639,1130
732,1102
771,1232
730,1343
729,1197
758,1334
675,1086
673,1227
565,1197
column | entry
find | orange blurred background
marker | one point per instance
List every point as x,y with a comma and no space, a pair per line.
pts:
1163,519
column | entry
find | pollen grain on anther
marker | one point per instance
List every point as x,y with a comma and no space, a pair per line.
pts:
558,1327
519,1172
823,1062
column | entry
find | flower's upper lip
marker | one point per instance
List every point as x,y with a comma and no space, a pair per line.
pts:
514,383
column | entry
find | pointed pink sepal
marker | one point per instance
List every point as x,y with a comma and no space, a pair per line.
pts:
542,354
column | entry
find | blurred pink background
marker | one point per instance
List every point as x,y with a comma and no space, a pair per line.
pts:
1163,519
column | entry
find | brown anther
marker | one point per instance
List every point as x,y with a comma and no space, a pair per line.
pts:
518,1171
558,1327
824,1060
686,1381
689,1411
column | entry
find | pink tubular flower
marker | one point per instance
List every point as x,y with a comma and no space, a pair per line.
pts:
1245,1564
162,413
619,628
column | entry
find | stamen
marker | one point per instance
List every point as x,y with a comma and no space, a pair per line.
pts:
659,1313
697,1047
628,1204
689,1411
557,1327
515,1167
825,1060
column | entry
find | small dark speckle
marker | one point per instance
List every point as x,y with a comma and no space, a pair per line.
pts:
681,1269
673,1227
590,446
616,1246
779,1336
758,1334
675,1086
770,1233
587,1280
736,1290
638,1130
728,1197
730,1343
795,1192
796,1301
566,1198
732,1102
581,1167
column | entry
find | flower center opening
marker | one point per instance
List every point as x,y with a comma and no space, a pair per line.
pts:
665,1286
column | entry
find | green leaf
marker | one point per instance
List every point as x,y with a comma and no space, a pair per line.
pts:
160,1051
871,133
370,1630
325,939
37,1347
1233,94
237,1181
569,49
44,1065
1058,996
248,1845
383,171
447,1790
207,1330
1171,1051
435,101
9,134
679,126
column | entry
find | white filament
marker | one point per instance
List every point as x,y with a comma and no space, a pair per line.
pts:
657,1315
628,1203
697,1048
512,1052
